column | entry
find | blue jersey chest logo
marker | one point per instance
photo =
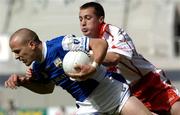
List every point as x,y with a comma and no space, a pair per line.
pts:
58,62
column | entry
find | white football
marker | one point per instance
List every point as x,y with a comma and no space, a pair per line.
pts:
72,58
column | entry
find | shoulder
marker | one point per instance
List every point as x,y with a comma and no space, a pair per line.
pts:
114,30
55,40
54,43
71,42
113,27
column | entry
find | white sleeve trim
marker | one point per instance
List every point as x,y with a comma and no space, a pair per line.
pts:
75,43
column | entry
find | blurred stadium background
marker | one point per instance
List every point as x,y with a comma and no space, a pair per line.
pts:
154,26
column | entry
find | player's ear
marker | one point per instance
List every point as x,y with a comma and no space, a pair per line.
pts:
101,19
32,44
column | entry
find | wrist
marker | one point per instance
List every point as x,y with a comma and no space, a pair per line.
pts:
94,64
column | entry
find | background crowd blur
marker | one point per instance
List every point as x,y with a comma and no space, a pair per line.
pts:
154,26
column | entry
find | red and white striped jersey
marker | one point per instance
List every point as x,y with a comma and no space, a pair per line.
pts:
133,65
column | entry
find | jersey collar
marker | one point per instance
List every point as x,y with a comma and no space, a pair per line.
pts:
44,51
103,27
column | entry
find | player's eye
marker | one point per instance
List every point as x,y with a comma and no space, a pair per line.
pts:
80,19
88,17
16,51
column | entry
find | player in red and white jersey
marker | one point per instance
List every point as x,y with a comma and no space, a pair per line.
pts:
148,83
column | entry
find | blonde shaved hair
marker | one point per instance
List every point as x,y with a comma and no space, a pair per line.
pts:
25,35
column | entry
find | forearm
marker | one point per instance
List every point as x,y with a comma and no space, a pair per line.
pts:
111,59
40,88
99,48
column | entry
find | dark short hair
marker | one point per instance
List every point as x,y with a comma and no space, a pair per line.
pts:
36,39
98,8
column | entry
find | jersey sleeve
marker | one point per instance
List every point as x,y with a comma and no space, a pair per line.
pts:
71,42
121,44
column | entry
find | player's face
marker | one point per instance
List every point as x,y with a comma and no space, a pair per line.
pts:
23,52
89,22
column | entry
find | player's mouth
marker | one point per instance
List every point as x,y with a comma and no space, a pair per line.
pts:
84,30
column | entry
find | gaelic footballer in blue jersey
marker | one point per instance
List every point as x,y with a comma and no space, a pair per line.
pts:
102,93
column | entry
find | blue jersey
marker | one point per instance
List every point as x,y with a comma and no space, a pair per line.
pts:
51,67
99,93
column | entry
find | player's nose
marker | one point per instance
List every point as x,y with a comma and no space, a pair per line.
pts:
17,57
83,22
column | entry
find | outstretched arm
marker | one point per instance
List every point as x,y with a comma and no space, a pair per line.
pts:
15,81
40,88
